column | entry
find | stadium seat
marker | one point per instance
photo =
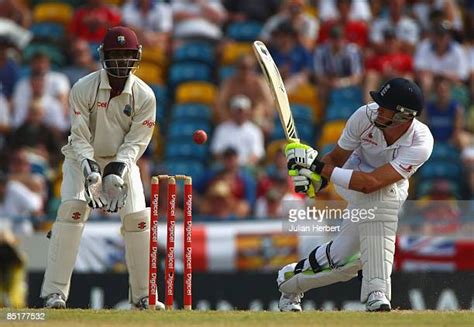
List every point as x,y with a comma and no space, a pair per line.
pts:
339,112
150,73
302,113
273,147
48,32
154,55
191,111
193,168
160,93
461,94
196,92
185,150
306,95
232,51
440,169
225,72
53,12
351,94
331,132
425,186
185,72
54,53
444,151
185,129
305,131
195,52
246,31
116,3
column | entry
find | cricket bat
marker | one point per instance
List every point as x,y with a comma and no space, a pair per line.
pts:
277,87
275,83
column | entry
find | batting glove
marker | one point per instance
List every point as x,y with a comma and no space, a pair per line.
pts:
303,156
306,181
93,184
115,189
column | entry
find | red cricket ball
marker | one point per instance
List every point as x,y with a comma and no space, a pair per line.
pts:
200,136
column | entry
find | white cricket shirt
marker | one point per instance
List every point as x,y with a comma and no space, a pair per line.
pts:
406,155
118,128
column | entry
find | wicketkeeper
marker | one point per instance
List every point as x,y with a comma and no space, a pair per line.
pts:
113,116
381,146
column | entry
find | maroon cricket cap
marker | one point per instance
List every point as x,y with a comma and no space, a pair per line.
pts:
120,38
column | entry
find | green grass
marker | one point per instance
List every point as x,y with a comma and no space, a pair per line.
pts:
116,318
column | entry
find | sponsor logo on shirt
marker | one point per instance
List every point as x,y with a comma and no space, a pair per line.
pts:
408,168
148,123
77,113
76,215
369,140
101,104
142,225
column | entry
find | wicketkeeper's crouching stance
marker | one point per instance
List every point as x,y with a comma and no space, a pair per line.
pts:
381,146
113,115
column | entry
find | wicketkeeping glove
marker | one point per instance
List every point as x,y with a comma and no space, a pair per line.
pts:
93,184
115,189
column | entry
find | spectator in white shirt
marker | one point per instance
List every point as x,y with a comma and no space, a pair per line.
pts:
54,115
24,192
440,55
360,10
293,11
198,19
56,84
405,27
239,133
152,20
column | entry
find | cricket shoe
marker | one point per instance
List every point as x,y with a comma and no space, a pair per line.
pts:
378,302
55,301
142,304
290,302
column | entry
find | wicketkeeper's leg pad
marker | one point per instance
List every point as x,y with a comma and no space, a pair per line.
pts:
64,246
136,233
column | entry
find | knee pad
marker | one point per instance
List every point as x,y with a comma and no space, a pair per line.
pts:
73,211
137,221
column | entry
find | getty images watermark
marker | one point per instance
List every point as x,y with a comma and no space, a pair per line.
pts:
325,219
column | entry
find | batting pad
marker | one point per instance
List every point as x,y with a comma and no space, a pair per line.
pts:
63,247
136,233
377,246
291,283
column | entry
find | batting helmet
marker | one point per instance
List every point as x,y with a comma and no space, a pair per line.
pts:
400,95
116,39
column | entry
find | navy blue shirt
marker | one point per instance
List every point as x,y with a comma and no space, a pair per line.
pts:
9,75
297,60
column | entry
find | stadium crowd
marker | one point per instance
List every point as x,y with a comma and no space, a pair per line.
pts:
197,57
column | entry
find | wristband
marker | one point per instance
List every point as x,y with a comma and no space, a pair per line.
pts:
317,166
341,177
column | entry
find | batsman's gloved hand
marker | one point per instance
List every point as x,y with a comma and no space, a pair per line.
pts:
300,155
93,184
306,181
115,189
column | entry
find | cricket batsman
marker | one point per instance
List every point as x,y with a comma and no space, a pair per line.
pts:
113,116
381,146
